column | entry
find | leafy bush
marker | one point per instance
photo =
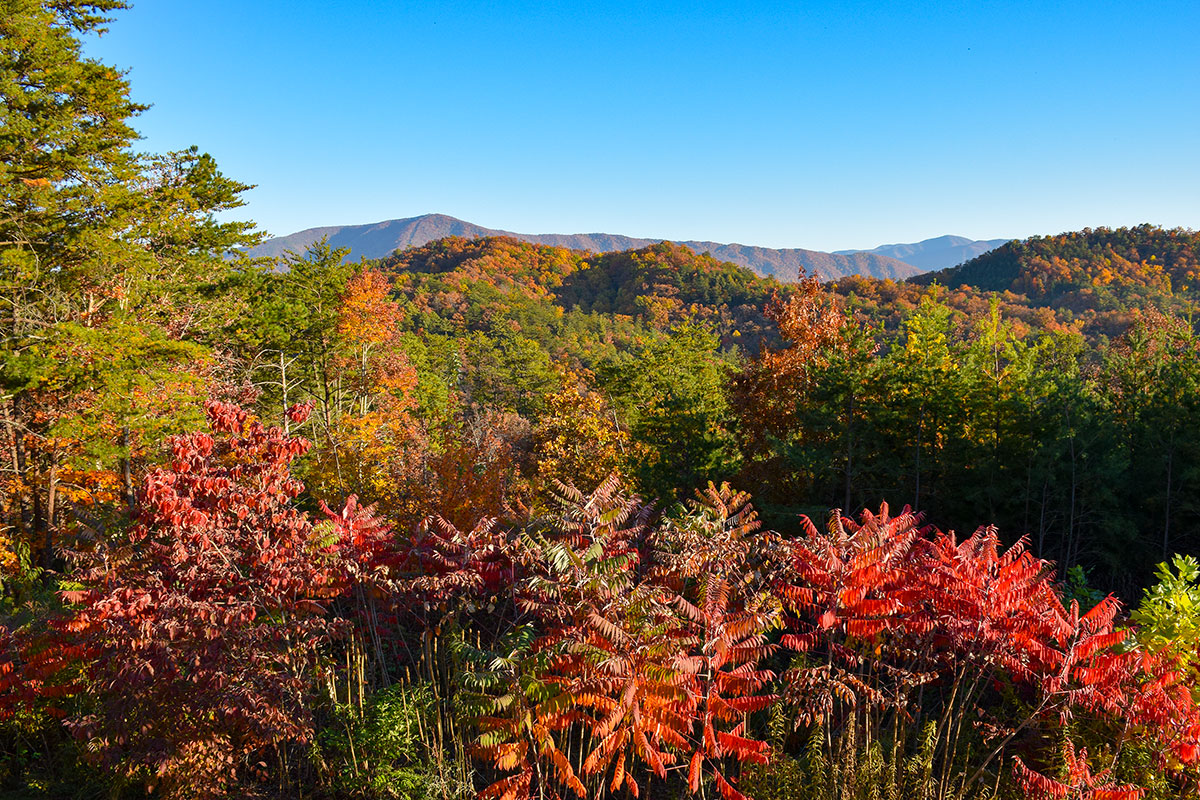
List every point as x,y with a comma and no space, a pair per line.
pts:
384,752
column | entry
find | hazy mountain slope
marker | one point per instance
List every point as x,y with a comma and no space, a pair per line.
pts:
785,264
378,239
937,253
382,238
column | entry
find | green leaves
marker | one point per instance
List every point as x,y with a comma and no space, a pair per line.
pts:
674,393
1169,614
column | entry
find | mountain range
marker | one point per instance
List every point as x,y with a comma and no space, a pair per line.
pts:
898,262
934,254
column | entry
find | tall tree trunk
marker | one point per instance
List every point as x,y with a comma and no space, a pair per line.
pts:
917,464
48,530
1166,551
127,470
849,448
1070,548
24,517
287,423
1042,519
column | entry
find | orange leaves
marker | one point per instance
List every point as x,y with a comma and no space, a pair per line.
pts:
658,674
367,314
9,561
513,787
372,446
809,323
566,772
622,670
741,748
368,326
772,390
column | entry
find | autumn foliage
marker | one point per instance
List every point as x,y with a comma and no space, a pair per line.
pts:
614,647
201,628
436,533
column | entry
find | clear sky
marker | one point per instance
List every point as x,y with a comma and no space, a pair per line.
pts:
817,124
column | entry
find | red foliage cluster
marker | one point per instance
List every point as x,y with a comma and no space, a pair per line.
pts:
894,608
200,628
648,669
622,646
651,643
1080,782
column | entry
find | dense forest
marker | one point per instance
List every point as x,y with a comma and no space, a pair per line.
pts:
493,519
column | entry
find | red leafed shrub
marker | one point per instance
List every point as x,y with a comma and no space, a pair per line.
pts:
444,563
895,619
715,558
849,591
724,683
39,672
588,668
201,626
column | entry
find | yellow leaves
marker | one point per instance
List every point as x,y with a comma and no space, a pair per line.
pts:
90,487
364,454
8,556
578,441
368,315
661,311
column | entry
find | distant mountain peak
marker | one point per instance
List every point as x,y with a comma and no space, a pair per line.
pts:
937,253
379,239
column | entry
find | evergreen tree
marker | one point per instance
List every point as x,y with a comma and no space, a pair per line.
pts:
108,259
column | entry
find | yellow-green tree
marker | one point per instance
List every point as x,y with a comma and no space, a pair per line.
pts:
578,440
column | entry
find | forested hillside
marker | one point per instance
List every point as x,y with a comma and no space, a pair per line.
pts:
1087,271
494,519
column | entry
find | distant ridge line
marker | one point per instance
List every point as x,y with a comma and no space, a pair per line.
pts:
379,239
940,252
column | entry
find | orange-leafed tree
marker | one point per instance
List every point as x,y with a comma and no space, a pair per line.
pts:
371,439
774,390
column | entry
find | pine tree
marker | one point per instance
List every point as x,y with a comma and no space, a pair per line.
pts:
106,262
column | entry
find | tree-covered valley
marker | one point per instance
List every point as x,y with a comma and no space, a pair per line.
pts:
486,518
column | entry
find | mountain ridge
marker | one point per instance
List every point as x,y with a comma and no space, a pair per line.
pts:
380,239
939,252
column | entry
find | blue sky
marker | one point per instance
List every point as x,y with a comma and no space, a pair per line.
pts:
818,125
